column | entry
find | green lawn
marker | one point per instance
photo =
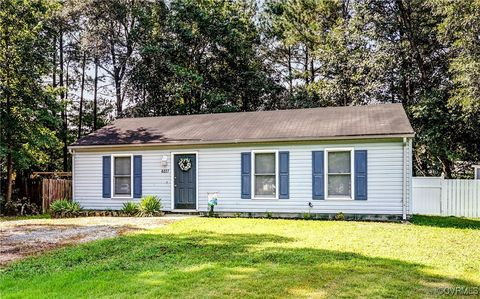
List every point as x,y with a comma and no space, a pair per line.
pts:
13,218
205,257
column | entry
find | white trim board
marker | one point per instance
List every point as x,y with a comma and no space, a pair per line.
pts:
352,172
252,183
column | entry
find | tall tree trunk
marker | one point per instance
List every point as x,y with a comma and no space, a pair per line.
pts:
8,195
290,78
118,93
244,105
82,88
406,21
51,164
312,71
54,71
116,78
446,167
306,65
64,108
95,86
9,141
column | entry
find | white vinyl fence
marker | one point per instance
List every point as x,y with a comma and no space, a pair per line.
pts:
436,196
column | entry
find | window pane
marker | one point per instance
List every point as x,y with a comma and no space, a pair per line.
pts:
122,166
122,186
265,163
478,173
339,162
265,185
339,185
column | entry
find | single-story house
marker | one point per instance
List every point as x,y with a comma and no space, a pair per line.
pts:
320,161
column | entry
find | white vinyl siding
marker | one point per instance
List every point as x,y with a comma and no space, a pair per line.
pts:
219,171
88,182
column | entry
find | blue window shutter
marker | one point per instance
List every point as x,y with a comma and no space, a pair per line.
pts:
246,175
107,177
318,176
137,176
284,158
360,175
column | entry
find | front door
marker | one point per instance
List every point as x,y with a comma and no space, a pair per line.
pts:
185,180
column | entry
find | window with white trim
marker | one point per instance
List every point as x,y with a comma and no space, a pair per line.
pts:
122,176
339,174
265,174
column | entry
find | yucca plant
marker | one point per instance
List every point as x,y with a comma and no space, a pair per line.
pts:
74,207
60,206
130,208
65,207
150,205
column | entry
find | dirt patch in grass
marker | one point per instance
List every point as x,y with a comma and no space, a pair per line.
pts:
22,238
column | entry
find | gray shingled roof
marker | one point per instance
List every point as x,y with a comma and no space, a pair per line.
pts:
280,125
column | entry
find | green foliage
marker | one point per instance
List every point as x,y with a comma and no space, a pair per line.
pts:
339,216
446,222
19,207
268,214
75,207
460,29
29,110
189,57
65,207
307,216
130,208
60,205
202,57
150,205
14,218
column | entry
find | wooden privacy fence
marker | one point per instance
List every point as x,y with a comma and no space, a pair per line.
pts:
437,196
53,189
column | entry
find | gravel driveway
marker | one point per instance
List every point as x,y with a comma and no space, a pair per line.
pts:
21,238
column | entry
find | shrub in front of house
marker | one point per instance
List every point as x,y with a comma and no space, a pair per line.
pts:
59,206
130,208
65,208
340,216
19,207
150,205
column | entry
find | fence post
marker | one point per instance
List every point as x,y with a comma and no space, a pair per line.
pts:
44,193
443,197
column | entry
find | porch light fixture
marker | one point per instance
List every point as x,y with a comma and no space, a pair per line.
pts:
164,161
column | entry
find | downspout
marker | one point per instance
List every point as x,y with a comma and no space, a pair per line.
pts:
404,195
72,152
410,175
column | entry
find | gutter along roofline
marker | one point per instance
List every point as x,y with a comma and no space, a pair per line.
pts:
240,141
